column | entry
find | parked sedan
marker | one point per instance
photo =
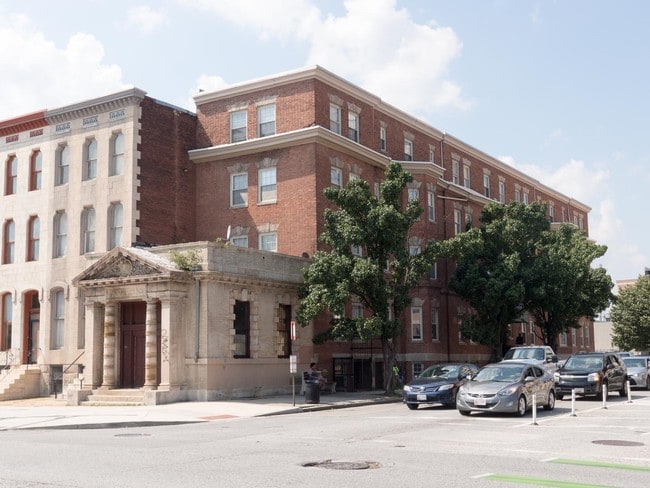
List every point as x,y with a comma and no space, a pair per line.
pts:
437,384
507,387
638,371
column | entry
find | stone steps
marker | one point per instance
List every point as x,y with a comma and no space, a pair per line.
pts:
115,398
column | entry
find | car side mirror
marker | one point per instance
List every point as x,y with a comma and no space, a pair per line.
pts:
554,358
529,379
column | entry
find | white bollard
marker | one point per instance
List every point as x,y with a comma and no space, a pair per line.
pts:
573,403
534,408
604,396
629,392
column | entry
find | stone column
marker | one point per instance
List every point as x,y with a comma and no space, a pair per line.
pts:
94,344
151,347
108,379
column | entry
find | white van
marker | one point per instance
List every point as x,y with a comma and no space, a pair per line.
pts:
541,355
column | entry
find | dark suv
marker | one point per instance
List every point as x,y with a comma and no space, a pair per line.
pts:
586,373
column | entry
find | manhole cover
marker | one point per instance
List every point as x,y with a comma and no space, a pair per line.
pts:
618,443
347,465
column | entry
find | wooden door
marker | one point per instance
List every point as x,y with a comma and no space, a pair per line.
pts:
133,316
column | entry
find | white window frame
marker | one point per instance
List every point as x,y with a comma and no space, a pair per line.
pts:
115,225
502,191
62,162
267,190
353,126
432,154
416,324
116,165
266,120
88,223
238,125
417,369
266,239
455,172
239,189
435,324
408,150
382,138
336,177
60,234
433,271
486,186
563,339
356,250
415,250
431,205
525,198
90,159
458,221
517,195
58,318
239,241
335,118
413,194
467,176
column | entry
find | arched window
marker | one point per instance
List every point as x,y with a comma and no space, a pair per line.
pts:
9,242
115,222
33,238
116,165
87,230
90,160
60,234
35,171
62,165
11,175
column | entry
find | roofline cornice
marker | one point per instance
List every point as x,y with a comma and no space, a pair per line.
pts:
30,121
535,184
90,107
316,134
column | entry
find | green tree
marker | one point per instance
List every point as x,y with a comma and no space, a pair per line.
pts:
562,286
490,268
380,279
631,316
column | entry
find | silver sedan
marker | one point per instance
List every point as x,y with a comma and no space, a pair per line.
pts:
507,388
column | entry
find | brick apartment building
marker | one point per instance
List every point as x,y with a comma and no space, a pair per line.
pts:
98,196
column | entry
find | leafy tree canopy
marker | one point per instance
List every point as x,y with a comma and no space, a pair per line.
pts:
631,316
381,277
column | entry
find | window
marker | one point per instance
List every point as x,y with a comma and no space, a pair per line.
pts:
60,234
486,185
551,213
354,177
435,324
357,311
90,160
414,250
267,185
239,241
467,180
517,195
574,337
116,165
563,339
586,329
417,369
242,329
5,326
431,206
433,271
525,198
408,150
58,319
432,154
413,194
115,225
33,238
582,336
335,118
284,331
455,176
238,121
269,242
88,230
11,176
62,165
458,222
382,138
502,191
9,242
353,126
239,190
416,323
266,120
356,250
336,177
35,171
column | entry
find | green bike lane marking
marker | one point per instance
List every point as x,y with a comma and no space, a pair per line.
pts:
600,464
529,480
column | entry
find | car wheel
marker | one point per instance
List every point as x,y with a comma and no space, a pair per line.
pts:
412,406
623,391
550,404
521,406
464,412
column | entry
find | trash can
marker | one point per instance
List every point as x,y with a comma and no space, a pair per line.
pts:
312,392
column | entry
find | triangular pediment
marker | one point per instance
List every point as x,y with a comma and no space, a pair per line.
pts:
125,264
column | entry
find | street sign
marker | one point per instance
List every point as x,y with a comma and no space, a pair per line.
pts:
293,330
293,363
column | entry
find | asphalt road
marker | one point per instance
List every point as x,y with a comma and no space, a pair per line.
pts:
372,446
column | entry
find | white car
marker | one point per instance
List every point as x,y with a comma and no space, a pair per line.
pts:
539,355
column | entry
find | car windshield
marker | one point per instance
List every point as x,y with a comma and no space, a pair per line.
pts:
583,362
440,371
635,362
531,353
503,374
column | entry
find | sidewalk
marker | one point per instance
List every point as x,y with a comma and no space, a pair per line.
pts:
51,413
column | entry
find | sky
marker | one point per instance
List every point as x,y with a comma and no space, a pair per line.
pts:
556,88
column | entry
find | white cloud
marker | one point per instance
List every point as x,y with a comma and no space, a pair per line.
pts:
204,83
43,75
374,44
145,19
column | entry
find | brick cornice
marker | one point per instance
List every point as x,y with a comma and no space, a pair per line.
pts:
31,121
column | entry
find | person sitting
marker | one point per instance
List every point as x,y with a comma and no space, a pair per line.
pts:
316,375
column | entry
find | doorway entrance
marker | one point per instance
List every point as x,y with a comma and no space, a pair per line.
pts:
133,327
31,327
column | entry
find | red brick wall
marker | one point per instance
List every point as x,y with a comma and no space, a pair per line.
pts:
166,192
